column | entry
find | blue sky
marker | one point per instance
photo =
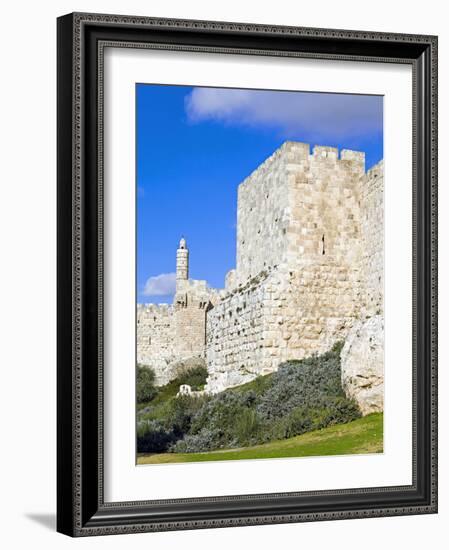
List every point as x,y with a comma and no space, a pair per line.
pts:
194,147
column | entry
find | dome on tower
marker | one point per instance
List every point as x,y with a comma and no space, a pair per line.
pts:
182,243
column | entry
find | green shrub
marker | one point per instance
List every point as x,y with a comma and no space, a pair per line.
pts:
203,441
161,426
259,385
227,419
181,410
298,422
222,410
153,437
145,388
233,423
337,347
248,427
339,410
158,411
307,383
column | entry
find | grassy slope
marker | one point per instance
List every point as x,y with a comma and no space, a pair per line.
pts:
361,436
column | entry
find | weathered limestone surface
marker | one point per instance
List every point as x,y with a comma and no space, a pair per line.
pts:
362,361
284,313
154,339
372,240
309,269
362,357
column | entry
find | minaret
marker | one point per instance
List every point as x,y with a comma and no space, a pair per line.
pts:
182,262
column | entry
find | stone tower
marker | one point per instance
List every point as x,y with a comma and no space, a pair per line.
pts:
182,263
309,262
190,306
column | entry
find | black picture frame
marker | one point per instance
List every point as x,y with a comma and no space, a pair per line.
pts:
81,510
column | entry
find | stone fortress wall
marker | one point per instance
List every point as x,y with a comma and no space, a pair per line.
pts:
362,357
309,266
298,285
372,240
155,343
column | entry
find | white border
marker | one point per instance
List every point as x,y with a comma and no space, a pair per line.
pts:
123,481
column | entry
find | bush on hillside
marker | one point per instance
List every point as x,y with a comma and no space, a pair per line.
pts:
226,420
153,437
182,410
146,390
162,426
203,441
311,382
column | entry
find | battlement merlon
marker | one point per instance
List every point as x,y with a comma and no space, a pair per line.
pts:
154,312
295,152
163,307
324,152
357,157
195,291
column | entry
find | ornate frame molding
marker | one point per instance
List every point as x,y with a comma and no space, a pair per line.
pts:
81,41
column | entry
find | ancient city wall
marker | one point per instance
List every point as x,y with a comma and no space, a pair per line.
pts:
155,341
235,329
264,215
372,240
287,313
168,335
312,308
362,356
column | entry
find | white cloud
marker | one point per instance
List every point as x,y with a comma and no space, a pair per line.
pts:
337,115
160,285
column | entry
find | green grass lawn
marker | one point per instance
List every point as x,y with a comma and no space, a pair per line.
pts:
364,435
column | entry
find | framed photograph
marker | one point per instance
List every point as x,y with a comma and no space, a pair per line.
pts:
247,274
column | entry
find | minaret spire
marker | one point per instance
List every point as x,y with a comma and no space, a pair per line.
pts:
182,262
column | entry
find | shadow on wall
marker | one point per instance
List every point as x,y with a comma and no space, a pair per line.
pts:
46,520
